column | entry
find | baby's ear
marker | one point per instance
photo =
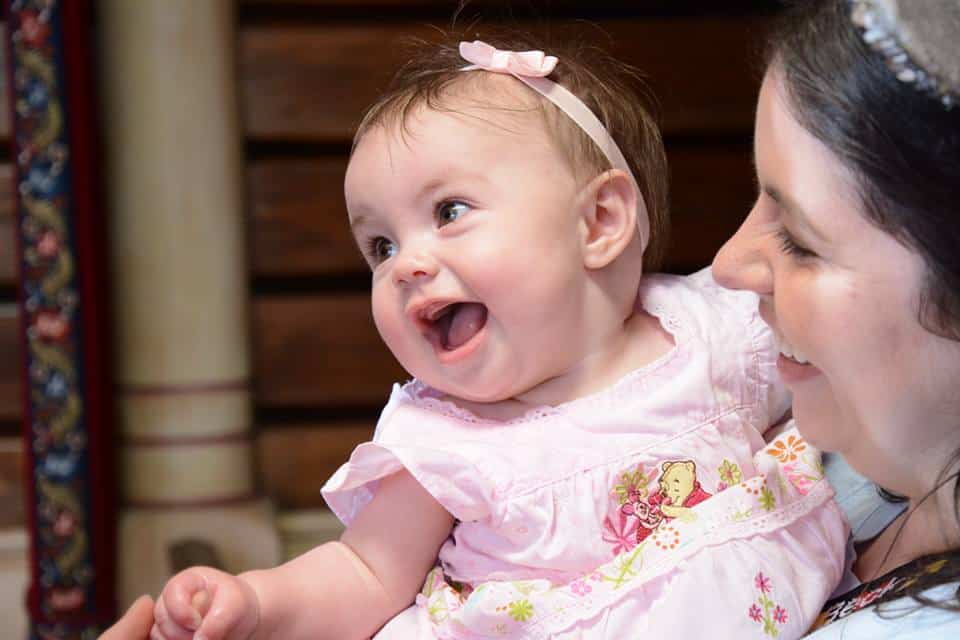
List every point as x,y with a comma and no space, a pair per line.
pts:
609,217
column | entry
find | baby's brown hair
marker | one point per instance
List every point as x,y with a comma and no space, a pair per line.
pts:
613,90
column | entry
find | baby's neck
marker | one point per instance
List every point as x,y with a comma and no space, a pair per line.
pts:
640,341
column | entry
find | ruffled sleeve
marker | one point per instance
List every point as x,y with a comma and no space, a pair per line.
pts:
772,399
420,441
742,346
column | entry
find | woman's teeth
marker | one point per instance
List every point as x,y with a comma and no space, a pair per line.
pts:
790,351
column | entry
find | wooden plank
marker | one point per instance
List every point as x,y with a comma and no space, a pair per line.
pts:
5,118
320,351
10,398
712,190
8,256
11,483
313,82
446,8
295,460
299,222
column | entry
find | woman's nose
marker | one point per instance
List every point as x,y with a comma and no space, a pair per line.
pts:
414,265
743,261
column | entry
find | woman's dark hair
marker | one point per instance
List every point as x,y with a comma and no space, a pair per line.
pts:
902,147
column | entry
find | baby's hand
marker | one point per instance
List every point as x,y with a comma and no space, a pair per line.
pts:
201,603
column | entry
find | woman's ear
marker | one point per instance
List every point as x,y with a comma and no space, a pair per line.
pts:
609,217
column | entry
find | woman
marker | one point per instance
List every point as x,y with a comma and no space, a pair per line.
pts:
135,623
854,248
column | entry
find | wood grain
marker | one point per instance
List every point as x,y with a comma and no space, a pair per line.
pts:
4,88
312,351
296,460
10,386
11,482
313,82
8,255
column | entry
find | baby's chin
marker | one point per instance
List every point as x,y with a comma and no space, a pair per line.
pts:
454,393
471,393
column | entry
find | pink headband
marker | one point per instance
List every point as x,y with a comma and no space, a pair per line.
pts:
532,69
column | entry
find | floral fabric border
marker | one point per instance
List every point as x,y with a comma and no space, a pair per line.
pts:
71,486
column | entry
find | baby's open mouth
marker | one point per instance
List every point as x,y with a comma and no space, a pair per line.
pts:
454,325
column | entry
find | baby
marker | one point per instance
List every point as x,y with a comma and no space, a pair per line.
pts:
581,453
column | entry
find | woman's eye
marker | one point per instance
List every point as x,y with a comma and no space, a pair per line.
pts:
790,247
449,212
380,249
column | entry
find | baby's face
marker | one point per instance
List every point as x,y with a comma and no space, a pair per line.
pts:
471,226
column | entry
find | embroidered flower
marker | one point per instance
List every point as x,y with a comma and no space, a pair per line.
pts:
520,610
729,473
623,534
787,451
580,588
633,486
764,609
741,511
762,583
767,500
802,481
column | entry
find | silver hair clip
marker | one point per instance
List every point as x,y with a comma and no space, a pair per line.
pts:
889,32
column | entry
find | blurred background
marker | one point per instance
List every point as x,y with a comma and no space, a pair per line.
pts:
241,362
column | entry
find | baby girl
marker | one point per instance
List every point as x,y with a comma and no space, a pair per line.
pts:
581,453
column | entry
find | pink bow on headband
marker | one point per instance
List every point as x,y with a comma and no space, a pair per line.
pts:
522,63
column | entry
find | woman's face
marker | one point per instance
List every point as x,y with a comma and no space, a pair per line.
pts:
843,298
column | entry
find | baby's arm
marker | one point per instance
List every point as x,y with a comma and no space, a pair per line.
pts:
345,589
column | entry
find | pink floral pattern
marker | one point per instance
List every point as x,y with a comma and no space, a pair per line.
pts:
762,583
622,534
764,610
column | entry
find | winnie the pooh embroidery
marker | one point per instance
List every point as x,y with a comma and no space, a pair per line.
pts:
679,491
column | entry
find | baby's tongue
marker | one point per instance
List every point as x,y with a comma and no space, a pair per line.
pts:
466,320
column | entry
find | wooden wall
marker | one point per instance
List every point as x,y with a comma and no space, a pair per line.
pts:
308,68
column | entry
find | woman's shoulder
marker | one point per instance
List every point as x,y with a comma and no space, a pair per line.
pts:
904,618
918,600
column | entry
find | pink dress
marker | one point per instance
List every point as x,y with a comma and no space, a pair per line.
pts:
651,509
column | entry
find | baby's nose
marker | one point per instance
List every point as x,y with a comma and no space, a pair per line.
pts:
414,265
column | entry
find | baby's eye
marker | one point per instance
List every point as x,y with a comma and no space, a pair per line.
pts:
449,212
380,249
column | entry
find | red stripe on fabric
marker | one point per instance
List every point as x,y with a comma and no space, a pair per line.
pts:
33,596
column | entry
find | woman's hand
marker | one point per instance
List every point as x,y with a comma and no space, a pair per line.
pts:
135,623
201,602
